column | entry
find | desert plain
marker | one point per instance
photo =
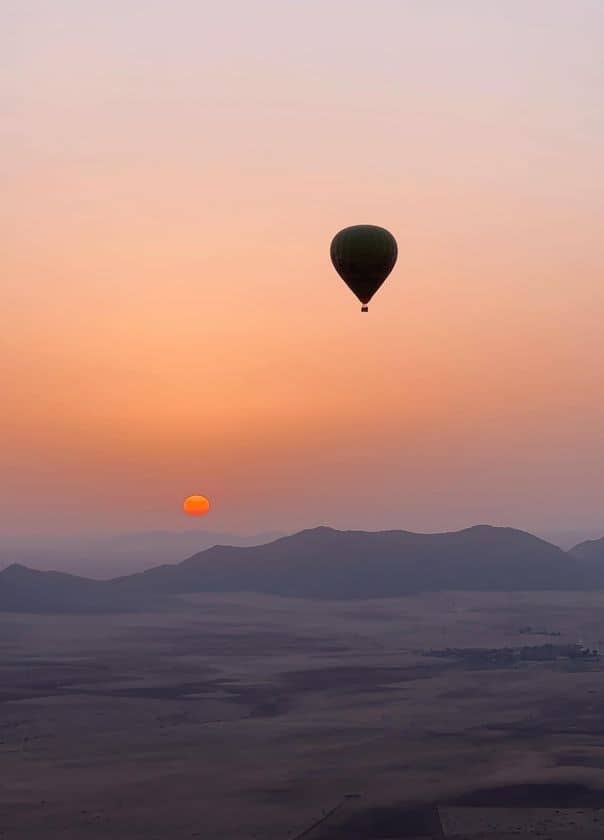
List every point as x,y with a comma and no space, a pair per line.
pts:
242,716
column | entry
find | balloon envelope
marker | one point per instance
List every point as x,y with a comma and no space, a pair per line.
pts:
363,256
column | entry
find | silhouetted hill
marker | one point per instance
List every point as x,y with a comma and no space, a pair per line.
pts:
109,555
320,563
589,550
324,563
27,590
590,554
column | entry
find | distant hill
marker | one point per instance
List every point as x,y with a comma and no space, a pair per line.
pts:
590,554
325,563
110,555
321,563
566,538
30,591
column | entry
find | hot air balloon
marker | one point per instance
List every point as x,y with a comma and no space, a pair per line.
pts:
363,256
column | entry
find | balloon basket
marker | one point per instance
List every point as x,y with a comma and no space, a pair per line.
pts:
364,309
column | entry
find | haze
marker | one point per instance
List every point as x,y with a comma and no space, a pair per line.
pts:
172,176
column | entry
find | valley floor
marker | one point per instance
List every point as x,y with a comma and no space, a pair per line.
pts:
255,717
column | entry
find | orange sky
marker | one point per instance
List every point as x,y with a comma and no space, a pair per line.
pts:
172,176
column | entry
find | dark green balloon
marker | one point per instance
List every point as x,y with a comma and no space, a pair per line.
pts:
363,256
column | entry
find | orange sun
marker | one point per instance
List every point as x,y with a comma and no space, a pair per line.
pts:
196,505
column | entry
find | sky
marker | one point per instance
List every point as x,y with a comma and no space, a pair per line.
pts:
172,174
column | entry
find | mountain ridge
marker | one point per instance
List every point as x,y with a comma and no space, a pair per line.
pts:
106,556
322,563
589,550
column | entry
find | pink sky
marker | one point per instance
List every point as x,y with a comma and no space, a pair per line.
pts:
173,173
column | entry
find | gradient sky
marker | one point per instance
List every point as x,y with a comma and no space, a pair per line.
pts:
172,174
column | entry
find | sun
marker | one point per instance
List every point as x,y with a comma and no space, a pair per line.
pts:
196,505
